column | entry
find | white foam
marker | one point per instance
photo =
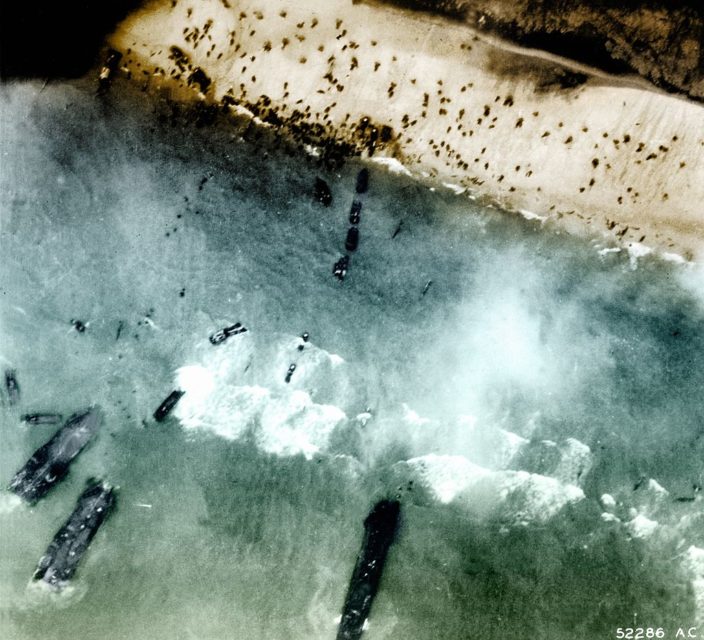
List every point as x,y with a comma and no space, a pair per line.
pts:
512,444
608,501
40,595
392,165
284,424
694,563
311,150
608,250
447,476
651,498
641,527
656,487
413,418
637,250
9,502
520,496
484,444
335,360
674,257
455,188
575,462
480,443
280,418
694,560
197,381
529,215
228,411
294,424
540,497
350,464
363,418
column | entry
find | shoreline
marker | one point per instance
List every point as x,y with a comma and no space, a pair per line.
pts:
510,128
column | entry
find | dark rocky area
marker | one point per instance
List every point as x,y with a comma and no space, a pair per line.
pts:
49,39
660,41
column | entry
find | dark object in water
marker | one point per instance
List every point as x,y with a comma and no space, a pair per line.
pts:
49,464
339,269
41,418
426,287
352,239
289,373
322,193
120,327
166,407
78,325
355,212
305,337
59,562
12,387
227,332
398,230
379,532
362,181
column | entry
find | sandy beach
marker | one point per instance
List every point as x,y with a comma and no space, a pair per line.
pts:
587,152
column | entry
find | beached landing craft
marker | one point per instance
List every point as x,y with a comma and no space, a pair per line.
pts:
49,464
379,532
65,551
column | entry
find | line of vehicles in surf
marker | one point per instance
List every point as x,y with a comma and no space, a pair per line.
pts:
51,462
340,268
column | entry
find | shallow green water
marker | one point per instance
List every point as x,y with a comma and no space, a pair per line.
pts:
105,216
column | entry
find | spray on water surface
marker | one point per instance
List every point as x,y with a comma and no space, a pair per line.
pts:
536,410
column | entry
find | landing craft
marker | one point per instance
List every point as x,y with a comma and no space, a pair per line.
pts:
322,193
304,340
49,464
355,212
352,240
227,332
41,418
12,387
79,325
362,181
339,269
65,551
379,532
167,406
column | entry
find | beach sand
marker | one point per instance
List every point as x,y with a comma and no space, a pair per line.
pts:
519,129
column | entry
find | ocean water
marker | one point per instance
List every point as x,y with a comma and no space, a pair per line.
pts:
537,411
